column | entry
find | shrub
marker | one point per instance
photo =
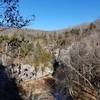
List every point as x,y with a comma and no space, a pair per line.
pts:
75,31
42,56
3,38
25,48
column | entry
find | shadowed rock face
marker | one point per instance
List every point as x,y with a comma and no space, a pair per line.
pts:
8,86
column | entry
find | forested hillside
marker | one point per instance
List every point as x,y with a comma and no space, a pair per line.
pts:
51,64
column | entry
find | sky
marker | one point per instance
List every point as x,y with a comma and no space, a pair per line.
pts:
60,14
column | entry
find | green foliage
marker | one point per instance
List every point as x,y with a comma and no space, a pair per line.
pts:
25,48
75,31
14,43
3,38
42,56
66,34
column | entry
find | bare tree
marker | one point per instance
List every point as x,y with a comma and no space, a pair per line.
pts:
10,16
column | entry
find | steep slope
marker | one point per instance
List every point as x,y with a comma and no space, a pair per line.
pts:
58,64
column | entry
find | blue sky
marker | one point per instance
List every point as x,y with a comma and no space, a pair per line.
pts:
59,14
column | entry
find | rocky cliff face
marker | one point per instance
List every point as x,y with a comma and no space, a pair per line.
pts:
26,72
22,82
